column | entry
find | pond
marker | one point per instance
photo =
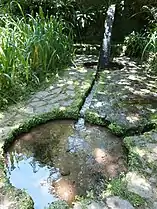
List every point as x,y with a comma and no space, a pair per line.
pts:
55,161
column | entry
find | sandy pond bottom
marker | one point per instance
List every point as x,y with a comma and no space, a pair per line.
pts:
55,161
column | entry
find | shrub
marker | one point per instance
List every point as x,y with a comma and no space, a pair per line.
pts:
30,52
151,46
135,44
84,17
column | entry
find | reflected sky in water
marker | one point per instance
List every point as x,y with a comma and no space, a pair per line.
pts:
34,179
54,157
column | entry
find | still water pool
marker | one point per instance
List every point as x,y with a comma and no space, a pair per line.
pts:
55,161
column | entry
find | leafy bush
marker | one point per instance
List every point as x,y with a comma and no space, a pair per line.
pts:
135,44
151,46
82,16
141,44
30,52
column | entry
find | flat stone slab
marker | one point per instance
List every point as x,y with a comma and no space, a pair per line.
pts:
113,202
142,179
67,92
116,202
126,97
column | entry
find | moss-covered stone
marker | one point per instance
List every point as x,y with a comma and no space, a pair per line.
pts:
142,151
59,205
116,129
118,187
142,162
61,100
15,198
93,118
124,98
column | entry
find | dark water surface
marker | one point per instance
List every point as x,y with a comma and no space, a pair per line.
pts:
55,161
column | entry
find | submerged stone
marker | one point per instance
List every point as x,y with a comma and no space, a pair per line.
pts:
58,161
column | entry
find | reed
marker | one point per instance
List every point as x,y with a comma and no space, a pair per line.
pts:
32,50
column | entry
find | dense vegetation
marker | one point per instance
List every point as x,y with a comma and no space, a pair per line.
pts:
37,38
32,50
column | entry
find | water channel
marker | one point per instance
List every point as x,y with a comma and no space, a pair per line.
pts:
62,159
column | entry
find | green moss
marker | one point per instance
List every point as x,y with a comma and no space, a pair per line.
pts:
116,129
128,142
93,118
20,197
118,187
59,205
59,113
134,162
2,171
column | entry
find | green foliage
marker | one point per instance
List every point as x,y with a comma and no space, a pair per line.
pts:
153,62
93,118
118,187
31,52
144,45
59,205
116,129
151,46
86,18
135,44
58,113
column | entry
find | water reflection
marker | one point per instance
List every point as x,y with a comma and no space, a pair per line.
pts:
56,161
28,174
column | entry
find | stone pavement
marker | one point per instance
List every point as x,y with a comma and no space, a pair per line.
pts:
68,91
126,97
142,177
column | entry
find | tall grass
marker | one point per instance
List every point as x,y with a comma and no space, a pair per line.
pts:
151,45
32,50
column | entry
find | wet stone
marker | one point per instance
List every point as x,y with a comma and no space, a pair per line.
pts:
55,158
126,97
76,143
